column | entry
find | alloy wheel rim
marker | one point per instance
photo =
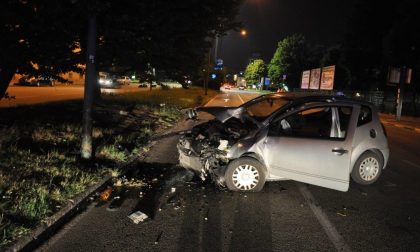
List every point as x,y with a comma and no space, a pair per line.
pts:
369,168
245,177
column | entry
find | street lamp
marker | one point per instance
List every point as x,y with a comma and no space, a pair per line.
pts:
242,32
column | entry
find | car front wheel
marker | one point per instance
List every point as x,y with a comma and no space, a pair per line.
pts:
367,168
245,174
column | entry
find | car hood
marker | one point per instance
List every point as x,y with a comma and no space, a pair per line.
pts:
223,113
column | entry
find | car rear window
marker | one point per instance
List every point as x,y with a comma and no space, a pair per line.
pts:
365,116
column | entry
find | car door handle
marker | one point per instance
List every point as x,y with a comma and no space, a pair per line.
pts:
339,152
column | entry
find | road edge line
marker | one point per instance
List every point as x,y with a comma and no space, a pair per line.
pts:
326,224
240,98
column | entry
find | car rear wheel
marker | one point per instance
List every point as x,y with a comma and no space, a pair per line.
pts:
367,168
245,174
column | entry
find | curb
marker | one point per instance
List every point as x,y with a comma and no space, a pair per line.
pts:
398,125
54,222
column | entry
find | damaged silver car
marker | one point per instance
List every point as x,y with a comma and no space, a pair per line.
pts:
319,140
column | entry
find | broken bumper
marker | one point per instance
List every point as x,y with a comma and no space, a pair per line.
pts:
189,161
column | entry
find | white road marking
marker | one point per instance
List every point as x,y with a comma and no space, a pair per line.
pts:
326,224
240,98
411,163
211,101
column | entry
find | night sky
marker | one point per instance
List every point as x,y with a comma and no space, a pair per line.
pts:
269,21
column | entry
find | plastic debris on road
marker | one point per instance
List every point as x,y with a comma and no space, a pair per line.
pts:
158,237
138,217
223,145
104,196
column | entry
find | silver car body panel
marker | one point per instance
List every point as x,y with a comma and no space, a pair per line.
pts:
309,160
363,141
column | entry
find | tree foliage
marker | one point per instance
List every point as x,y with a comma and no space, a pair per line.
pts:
168,35
382,33
290,59
334,56
255,70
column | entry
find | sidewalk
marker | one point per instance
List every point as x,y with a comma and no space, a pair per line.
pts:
407,122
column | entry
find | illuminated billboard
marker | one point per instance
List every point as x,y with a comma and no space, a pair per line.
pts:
305,79
315,78
327,78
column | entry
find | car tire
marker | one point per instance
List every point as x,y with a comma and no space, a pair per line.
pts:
245,174
367,168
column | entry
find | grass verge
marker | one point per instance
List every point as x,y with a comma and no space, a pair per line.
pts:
40,169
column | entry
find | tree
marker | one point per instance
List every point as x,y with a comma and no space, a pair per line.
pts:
334,56
289,59
168,35
37,37
381,34
255,71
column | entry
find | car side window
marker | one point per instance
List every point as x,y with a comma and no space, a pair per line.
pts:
365,116
319,123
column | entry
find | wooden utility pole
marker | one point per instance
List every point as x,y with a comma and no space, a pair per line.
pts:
89,96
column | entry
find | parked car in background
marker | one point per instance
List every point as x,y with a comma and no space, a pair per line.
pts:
124,80
319,140
105,81
226,86
35,81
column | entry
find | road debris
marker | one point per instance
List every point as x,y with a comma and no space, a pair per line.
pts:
342,214
104,196
138,217
158,237
118,199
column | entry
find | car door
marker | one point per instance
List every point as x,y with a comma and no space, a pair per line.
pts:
312,145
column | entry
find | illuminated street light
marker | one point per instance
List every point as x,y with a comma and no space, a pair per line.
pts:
244,32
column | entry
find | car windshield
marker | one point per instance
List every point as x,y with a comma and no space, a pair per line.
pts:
263,108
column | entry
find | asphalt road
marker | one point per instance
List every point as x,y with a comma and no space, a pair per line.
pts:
33,95
285,216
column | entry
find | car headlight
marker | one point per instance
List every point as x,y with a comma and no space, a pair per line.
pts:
101,81
108,82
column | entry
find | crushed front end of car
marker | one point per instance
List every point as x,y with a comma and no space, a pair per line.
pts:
205,149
